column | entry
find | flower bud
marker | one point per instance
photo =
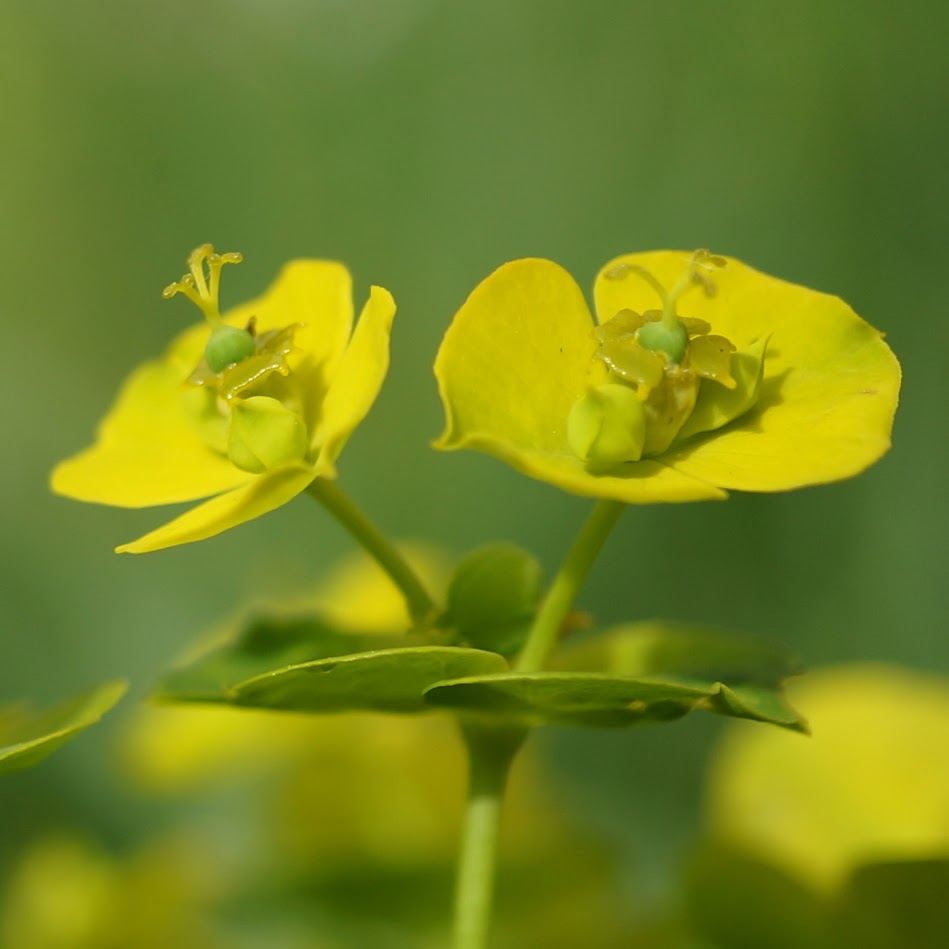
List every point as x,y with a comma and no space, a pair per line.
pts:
607,426
264,434
494,595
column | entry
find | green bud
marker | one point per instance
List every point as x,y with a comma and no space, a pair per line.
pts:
607,426
228,345
264,434
672,340
493,596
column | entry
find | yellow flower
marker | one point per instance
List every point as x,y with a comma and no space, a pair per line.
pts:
248,415
757,385
872,784
66,891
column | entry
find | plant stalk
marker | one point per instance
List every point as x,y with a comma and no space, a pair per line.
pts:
563,591
491,751
420,604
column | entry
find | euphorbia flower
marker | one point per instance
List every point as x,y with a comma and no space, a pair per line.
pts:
754,385
871,786
246,409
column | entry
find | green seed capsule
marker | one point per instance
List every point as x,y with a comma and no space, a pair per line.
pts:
607,426
264,434
228,345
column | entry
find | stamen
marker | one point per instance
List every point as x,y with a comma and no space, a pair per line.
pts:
186,286
648,277
702,260
215,263
705,258
201,287
669,333
196,266
705,282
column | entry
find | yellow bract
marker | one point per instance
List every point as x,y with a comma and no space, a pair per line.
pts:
871,784
518,357
166,441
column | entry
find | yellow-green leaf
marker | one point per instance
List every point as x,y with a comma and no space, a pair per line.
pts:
636,674
384,680
301,663
26,739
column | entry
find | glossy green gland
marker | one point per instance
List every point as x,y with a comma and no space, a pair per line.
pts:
658,336
227,346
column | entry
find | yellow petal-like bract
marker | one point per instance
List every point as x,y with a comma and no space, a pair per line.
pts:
519,353
166,440
871,784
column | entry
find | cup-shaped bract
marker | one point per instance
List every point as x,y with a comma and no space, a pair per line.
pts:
781,386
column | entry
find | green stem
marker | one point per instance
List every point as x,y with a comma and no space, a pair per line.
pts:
563,591
420,605
491,751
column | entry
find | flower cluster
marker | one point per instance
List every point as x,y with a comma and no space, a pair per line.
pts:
761,385
699,375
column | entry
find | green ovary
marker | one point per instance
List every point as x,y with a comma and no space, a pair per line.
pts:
227,346
248,410
657,336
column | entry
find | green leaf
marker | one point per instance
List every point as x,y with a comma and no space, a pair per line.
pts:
566,698
385,680
759,702
265,644
26,739
636,674
493,596
302,664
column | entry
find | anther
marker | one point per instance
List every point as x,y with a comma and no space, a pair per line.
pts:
617,272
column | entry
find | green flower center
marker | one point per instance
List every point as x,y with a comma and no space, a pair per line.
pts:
248,408
666,363
228,345
235,358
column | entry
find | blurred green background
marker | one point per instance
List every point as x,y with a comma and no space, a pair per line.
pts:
424,142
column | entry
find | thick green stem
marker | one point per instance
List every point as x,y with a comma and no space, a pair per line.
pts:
420,605
563,591
491,751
